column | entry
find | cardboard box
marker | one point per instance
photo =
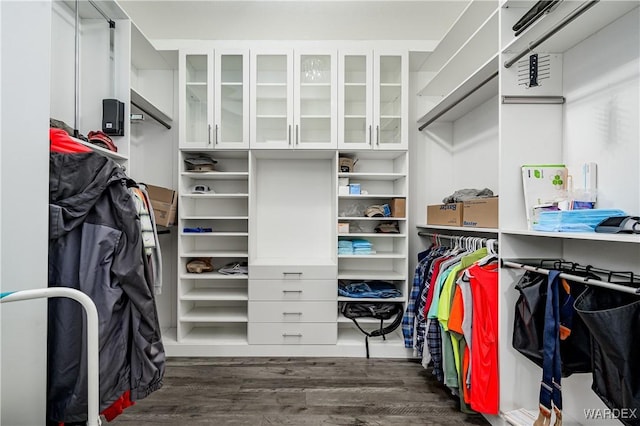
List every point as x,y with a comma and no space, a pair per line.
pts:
445,214
398,207
164,202
480,213
343,228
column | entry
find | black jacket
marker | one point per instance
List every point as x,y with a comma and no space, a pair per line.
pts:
95,246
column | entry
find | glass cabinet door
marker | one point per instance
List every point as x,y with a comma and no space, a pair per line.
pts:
231,128
355,105
315,116
196,97
272,106
391,102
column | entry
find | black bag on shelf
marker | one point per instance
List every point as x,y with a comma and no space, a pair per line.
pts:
382,311
528,326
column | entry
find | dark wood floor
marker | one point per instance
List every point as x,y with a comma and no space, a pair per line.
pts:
297,391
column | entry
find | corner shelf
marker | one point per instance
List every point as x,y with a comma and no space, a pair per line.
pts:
102,151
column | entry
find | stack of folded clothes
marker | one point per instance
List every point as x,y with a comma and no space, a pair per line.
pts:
371,289
345,247
362,247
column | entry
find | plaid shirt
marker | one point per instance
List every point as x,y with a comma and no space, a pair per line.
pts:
409,315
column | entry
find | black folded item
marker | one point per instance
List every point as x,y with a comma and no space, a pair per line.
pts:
378,310
533,15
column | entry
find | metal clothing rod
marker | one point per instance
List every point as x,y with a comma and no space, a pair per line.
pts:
560,25
447,109
165,124
576,278
111,22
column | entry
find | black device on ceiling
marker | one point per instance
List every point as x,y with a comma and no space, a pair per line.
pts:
533,15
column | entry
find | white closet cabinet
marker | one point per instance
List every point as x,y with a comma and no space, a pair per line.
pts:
293,98
214,98
372,100
383,176
594,66
292,287
212,306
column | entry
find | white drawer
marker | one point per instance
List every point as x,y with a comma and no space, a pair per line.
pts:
293,272
293,290
293,312
269,333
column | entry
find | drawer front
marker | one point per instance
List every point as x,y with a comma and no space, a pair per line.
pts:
294,272
293,312
268,333
326,290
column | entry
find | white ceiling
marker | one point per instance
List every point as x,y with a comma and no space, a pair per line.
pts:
294,19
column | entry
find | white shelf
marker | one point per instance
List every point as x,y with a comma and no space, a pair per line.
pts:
214,234
354,337
362,274
460,229
591,21
593,236
477,50
210,196
474,15
215,217
216,294
216,314
102,151
215,253
341,318
216,175
217,336
373,176
478,88
378,255
353,218
372,235
371,196
212,276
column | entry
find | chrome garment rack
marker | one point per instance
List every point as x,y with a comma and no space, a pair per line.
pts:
581,279
490,243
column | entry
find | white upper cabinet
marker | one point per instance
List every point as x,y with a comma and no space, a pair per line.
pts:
373,100
214,99
293,99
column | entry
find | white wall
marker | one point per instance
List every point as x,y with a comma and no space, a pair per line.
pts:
23,195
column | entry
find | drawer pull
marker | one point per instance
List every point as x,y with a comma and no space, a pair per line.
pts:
291,335
292,273
291,291
292,313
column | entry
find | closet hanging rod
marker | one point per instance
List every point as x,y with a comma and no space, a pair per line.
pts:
454,237
544,37
450,107
570,277
112,23
165,124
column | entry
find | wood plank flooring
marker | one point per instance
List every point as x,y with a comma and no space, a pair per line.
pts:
297,391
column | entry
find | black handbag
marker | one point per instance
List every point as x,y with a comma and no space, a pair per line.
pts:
528,326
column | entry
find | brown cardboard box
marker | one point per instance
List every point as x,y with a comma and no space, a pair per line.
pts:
481,213
164,202
398,207
445,214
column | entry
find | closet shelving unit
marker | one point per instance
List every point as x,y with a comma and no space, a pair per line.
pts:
212,306
595,69
383,175
461,119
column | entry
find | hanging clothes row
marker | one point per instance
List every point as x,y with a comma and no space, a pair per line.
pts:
102,241
570,320
453,308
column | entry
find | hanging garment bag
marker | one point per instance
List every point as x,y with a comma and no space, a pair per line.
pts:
613,318
528,325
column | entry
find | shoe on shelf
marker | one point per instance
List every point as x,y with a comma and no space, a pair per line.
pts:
199,265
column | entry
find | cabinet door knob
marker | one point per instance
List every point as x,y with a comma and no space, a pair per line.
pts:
215,136
370,137
378,135
297,134
289,135
209,134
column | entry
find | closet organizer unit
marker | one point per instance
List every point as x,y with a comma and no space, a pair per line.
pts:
586,109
